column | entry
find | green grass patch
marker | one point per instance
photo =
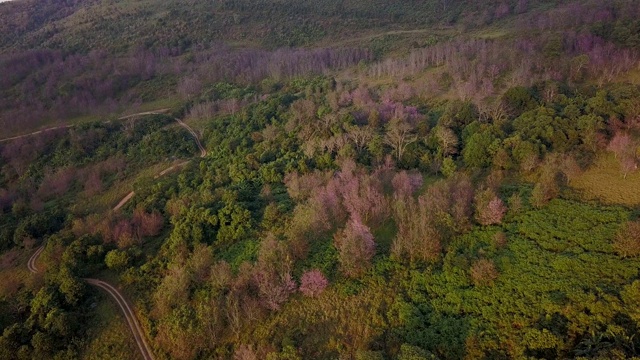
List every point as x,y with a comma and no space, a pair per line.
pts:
168,103
112,196
558,279
108,335
384,236
604,181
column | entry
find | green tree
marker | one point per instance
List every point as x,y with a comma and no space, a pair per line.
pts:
518,100
410,352
117,259
448,167
479,149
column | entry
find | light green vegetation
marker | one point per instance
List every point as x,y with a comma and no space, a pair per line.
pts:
110,337
605,181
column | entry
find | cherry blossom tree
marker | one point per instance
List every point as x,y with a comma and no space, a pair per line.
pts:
405,184
274,289
483,272
628,164
356,247
619,144
625,150
147,224
313,283
272,273
490,209
245,352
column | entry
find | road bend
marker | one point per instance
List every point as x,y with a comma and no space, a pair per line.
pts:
31,264
134,325
128,313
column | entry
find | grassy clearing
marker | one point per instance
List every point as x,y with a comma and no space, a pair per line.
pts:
109,337
396,39
83,119
48,123
553,264
605,182
108,199
493,32
154,105
198,124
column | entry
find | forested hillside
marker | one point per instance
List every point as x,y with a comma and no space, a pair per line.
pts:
320,180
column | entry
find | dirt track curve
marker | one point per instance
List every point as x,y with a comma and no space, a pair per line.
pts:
134,325
126,309
153,112
203,151
160,111
37,132
124,201
128,313
32,260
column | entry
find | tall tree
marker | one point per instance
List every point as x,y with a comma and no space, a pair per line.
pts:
356,247
399,135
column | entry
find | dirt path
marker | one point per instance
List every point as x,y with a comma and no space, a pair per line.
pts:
163,172
130,195
203,151
31,264
134,325
153,112
124,201
37,132
128,313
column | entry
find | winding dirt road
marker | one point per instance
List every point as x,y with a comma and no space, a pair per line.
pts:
203,151
153,112
171,168
124,201
31,264
134,325
126,309
37,132
128,313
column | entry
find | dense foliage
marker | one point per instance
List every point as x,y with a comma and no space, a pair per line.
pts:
150,50
352,204
44,178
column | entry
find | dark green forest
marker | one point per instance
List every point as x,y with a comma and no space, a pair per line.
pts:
441,179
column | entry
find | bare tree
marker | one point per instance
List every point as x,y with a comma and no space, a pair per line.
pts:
355,247
360,136
447,139
399,135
